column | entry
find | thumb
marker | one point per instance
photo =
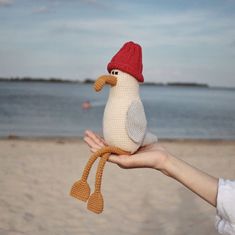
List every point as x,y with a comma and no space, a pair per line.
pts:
114,159
123,161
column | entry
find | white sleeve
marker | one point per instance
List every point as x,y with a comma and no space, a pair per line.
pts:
225,218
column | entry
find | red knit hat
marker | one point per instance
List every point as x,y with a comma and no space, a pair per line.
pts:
129,60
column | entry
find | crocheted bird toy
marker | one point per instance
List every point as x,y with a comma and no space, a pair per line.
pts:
124,121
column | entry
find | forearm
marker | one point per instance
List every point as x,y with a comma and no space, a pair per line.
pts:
202,184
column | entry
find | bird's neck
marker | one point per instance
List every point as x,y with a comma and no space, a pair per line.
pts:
124,92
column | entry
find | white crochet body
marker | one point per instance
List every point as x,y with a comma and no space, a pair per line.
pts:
120,98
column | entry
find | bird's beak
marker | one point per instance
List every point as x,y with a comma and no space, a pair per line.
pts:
104,79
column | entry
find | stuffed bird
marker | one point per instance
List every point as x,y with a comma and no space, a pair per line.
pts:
124,121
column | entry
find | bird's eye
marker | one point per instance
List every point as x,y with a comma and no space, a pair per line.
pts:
116,72
112,72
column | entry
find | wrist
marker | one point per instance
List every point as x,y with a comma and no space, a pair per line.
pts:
166,166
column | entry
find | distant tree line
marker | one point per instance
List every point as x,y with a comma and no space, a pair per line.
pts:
91,81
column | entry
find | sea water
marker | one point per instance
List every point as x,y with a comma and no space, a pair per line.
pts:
44,109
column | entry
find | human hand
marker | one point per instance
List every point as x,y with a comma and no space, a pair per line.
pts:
151,156
156,157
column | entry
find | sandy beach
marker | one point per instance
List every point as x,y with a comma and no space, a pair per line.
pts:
36,177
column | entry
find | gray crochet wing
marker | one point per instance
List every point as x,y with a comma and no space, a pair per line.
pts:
136,122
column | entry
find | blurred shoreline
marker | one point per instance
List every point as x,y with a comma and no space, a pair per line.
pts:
80,139
91,81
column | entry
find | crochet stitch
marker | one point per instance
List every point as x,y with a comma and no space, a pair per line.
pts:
128,59
124,121
81,189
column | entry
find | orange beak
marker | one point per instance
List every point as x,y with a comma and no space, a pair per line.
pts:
104,79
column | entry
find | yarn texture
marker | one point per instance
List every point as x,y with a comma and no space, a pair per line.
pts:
124,121
81,190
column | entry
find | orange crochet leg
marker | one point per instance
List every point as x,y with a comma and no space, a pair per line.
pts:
80,188
96,202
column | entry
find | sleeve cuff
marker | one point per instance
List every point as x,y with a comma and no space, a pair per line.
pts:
225,218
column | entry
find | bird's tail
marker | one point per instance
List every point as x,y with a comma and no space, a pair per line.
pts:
149,139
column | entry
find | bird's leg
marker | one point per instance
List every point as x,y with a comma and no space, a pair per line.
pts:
96,202
80,188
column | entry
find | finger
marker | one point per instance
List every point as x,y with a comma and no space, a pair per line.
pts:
87,132
101,139
98,139
93,150
114,159
95,138
91,143
102,142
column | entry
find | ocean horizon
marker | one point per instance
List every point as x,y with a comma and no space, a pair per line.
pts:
51,109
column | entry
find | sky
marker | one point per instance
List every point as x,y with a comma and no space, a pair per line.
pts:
182,40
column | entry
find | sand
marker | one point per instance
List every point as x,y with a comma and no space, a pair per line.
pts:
36,176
